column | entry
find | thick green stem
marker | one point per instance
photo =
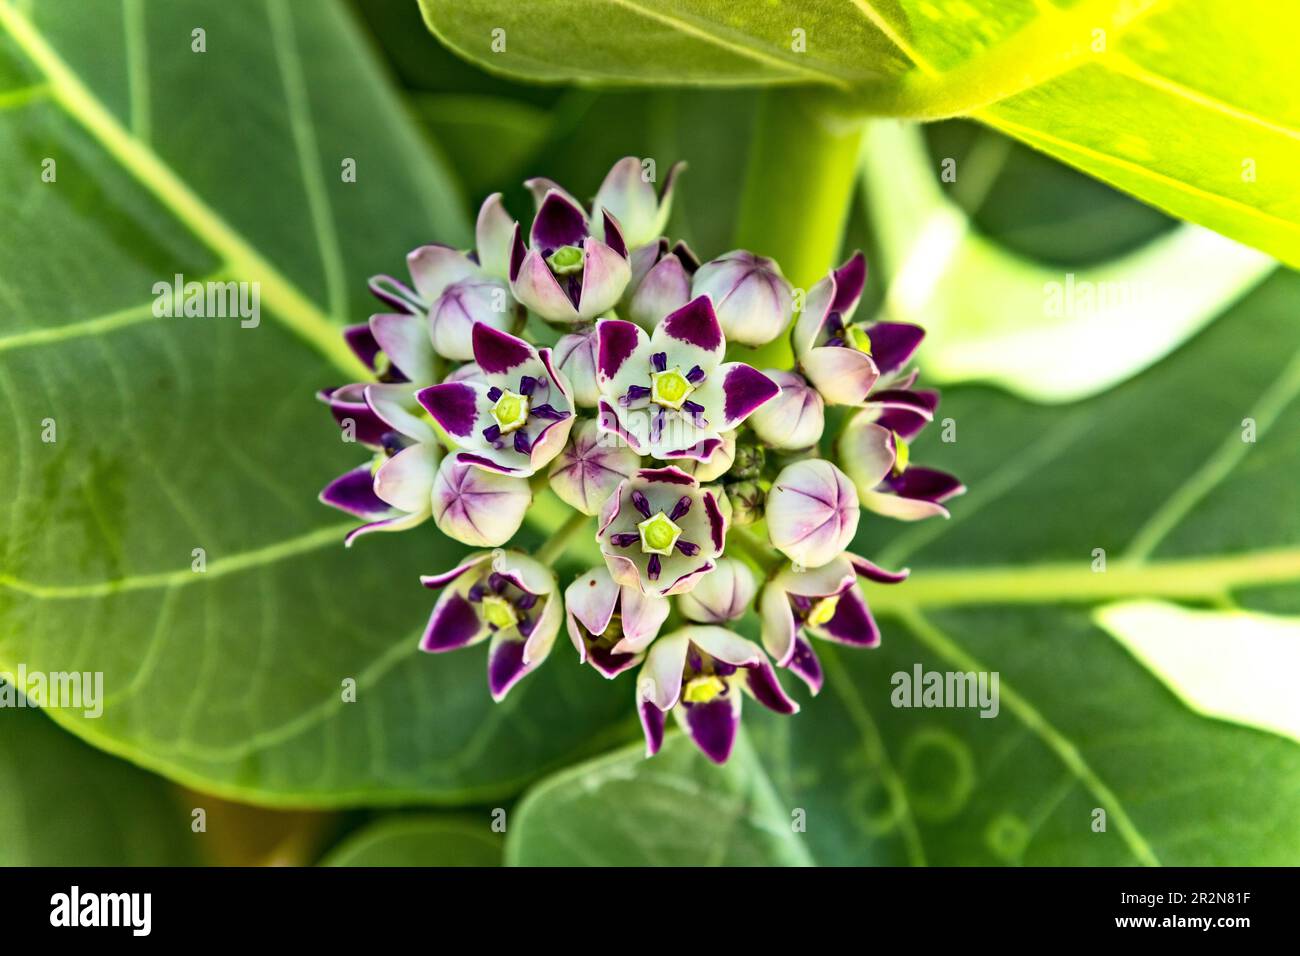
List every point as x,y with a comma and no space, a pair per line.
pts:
798,191
755,549
556,543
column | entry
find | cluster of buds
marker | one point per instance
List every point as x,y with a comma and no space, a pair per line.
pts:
591,357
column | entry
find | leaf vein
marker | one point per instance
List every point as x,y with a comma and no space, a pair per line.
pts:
1069,754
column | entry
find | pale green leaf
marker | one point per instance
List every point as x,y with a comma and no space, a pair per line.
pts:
184,433
1234,665
1043,331
674,810
1189,104
425,840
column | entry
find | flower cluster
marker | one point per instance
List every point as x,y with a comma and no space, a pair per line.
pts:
589,356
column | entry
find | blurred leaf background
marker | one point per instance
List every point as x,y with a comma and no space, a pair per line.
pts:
1119,432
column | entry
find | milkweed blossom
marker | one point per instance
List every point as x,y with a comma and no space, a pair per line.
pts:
587,365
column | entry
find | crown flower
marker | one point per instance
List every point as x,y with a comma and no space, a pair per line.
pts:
517,418
714,492
845,360
700,674
568,273
824,602
505,596
610,624
875,450
660,531
669,394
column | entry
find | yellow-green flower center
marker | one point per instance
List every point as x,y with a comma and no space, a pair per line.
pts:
658,534
510,411
858,338
823,610
902,454
565,260
499,612
670,388
701,690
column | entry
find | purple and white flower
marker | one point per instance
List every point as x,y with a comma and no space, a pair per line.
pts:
393,490
590,468
669,394
567,273
502,595
753,300
453,291
610,624
875,451
812,512
844,360
699,674
795,418
517,419
823,602
660,531
722,596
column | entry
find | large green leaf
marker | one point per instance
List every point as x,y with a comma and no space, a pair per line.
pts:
1189,104
675,810
1033,327
1235,665
426,840
176,434
1155,473
63,803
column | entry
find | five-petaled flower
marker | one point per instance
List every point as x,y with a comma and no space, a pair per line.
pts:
393,490
611,624
660,531
877,456
503,595
847,360
699,673
669,394
566,273
824,602
517,418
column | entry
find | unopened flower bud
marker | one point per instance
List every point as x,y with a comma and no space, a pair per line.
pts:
748,499
753,300
748,463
